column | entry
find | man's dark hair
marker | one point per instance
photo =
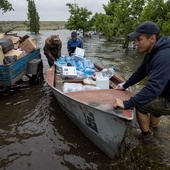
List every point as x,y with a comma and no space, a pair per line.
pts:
149,35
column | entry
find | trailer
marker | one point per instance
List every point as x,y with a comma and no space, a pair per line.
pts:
30,65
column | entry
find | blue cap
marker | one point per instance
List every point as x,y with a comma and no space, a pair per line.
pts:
147,27
74,33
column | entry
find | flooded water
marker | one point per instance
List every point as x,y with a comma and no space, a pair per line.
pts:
36,134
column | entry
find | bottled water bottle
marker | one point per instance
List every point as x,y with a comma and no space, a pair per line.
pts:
108,72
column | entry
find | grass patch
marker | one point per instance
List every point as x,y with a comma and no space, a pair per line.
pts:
44,25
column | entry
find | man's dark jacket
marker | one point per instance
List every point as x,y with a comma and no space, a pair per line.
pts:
157,66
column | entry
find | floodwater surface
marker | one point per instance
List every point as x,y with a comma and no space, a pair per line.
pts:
36,134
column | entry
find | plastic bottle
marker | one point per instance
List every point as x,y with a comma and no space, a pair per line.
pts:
108,72
102,82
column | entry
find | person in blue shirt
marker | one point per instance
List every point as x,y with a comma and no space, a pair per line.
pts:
74,42
153,100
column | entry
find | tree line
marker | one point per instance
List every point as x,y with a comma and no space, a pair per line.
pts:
120,18
32,23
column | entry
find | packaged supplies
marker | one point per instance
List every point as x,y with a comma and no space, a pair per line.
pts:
71,87
64,61
89,64
87,87
89,81
80,66
68,72
78,53
89,72
80,74
89,68
28,45
18,53
85,68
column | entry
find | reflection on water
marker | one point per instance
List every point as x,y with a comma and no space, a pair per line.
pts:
36,134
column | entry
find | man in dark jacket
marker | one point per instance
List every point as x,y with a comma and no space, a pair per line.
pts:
153,100
74,42
52,48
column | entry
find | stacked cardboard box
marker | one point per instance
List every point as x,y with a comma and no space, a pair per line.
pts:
1,56
25,44
15,41
28,45
13,52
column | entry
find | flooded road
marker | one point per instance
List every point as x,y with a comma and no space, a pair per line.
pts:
36,134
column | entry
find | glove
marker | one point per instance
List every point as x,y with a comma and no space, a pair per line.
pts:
120,85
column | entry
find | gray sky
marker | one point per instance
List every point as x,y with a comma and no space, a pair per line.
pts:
50,10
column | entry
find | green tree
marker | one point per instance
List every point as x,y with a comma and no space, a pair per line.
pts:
79,18
158,12
126,17
121,18
110,8
5,6
166,24
33,18
104,24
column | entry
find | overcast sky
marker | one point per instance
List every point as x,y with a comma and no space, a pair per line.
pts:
50,10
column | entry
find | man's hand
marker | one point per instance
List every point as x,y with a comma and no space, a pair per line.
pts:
118,103
120,86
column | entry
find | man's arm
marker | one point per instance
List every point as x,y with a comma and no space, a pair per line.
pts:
47,50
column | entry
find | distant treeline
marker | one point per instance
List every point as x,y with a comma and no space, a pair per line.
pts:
44,25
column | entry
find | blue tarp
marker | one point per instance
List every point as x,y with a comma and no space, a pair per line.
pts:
85,68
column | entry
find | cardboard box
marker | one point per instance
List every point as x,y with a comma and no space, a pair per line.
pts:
1,56
15,41
2,36
18,53
28,45
79,53
68,72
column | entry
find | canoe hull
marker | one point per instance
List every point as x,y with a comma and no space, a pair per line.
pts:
105,130
93,113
